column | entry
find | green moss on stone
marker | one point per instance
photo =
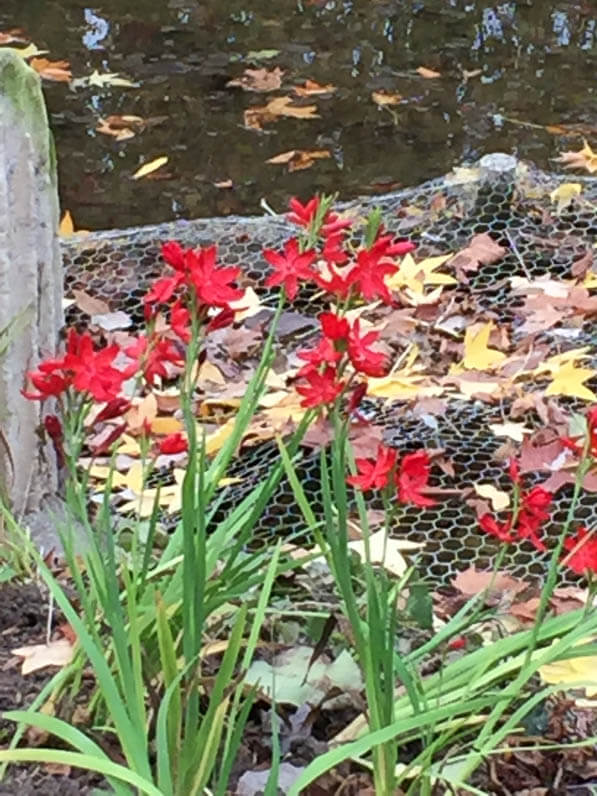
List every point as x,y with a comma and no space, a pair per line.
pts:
21,85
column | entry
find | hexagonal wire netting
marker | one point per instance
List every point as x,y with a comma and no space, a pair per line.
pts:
515,206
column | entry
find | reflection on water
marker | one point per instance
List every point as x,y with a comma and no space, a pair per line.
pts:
499,62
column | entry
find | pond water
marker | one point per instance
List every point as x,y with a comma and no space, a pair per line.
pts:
505,71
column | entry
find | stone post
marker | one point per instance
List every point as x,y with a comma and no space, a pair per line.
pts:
30,279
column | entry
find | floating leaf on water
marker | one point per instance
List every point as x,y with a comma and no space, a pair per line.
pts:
428,73
149,168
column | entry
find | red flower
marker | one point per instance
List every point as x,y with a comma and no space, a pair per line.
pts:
174,255
374,473
457,643
333,326
151,357
162,289
364,359
174,443
92,370
514,471
500,530
53,427
369,275
582,552
386,246
289,267
222,319
212,284
576,443
323,354
413,477
47,383
106,443
533,514
180,320
337,284
301,214
321,388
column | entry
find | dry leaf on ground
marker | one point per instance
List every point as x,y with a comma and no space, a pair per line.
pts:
67,226
585,158
120,127
38,656
385,98
477,354
482,250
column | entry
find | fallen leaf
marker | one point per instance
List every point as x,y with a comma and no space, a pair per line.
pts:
564,195
37,656
67,227
386,552
569,380
144,410
473,581
415,276
223,184
311,89
580,672
261,55
477,354
482,250
149,168
428,73
259,79
583,159
385,98
515,431
59,71
12,35
298,159
119,127
499,500
109,321
256,116
89,304
101,81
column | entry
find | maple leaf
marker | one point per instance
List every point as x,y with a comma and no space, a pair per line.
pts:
38,656
415,276
482,250
298,159
58,71
577,672
259,79
585,158
569,380
278,106
565,194
120,127
477,354
386,552
310,88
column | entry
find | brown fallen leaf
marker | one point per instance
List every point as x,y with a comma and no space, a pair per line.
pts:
89,304
428,73
255,117
59,71
482,250
473,581
585,158
298,159
311,89
12,35
121,127
224,184
38,656
258,79
384,98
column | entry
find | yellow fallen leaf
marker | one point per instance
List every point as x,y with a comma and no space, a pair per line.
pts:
247,306
166,425
554,363
416,276
143,411
477,354
564,194
67,227
569,380
209,372
129,446
387,553
403,388
132,479
217,439
578,672
149,168
499,500
38,656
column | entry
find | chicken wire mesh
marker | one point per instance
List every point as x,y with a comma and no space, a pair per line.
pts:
517,205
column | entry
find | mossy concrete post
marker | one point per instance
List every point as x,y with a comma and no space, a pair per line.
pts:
30,279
